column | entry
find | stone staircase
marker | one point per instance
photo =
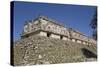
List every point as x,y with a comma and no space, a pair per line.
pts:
44,50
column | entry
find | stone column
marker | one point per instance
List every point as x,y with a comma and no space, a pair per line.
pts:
64,38
55,36
78,41
42,33
69,39
73,40
84,42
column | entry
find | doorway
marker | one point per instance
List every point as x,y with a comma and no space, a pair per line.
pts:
48,34
61,37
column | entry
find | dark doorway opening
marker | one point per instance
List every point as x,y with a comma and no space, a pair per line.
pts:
27,36
48,34
61,37
88,53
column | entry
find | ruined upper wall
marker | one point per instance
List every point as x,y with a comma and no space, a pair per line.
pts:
53,27
43,23
74,34
77,35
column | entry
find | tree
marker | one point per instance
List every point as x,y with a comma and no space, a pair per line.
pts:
93,25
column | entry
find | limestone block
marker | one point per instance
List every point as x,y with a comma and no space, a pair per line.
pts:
68,39
43,21
40,56
73,40
55,36
84,42
26,28
89,44
64,38
78,41
43,33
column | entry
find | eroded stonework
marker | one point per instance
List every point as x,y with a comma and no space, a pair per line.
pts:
44,26
36,50
44,41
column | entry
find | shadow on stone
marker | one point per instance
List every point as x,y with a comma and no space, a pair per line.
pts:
88,53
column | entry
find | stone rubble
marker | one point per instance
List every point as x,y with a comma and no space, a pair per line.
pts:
43,50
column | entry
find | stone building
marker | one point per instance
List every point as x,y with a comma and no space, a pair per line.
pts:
43,26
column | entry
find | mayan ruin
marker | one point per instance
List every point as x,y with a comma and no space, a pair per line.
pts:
44,26
45,41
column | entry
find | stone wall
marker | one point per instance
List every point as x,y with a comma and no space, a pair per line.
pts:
78,41
46,25
73,40
64,38
77,35
49,26
55,36
43,33
56,31
37,50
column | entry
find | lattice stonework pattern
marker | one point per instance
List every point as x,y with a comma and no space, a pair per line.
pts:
50,28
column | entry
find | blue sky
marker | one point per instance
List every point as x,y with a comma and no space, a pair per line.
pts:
74,16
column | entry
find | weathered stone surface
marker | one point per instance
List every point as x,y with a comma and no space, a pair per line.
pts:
43,50
44,26
44,41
